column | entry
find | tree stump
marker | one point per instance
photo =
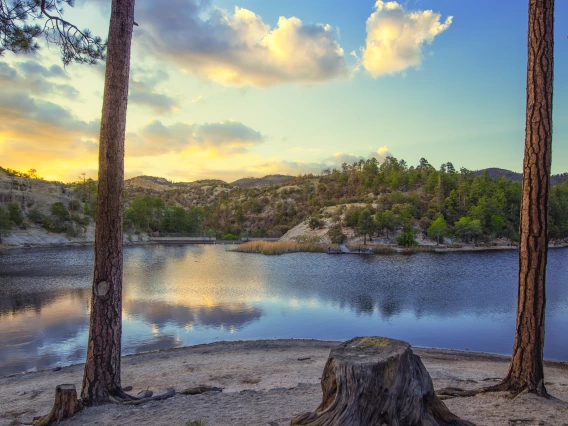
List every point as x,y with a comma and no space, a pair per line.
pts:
377,381
66,405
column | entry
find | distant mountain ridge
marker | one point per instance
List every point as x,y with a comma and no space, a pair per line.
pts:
495,172
163,184
160,183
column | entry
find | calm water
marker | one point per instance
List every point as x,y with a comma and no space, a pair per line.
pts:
185,295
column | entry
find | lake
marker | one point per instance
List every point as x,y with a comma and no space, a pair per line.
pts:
185,295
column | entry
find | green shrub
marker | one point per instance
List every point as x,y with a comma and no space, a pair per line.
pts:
259,233
74,205
406,239
54,225
81,220
5,224
59,210
315,223
15,213
335,234
36,216
231,237
71,231
90,210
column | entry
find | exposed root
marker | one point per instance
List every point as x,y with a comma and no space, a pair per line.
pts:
132,400
168,394
200,389
122,395
452,392
504,386
126,399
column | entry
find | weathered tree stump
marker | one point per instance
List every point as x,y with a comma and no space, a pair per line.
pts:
66,405
377,381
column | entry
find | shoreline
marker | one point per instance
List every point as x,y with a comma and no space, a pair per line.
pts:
422,248
70,244
267,381
268,343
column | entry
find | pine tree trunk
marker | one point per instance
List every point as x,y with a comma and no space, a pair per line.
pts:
377,381
526,368
102,369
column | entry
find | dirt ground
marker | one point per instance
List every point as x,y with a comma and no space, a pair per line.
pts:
268,383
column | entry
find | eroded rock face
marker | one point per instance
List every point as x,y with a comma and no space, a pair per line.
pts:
41,195
32,193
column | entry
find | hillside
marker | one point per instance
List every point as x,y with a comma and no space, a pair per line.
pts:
264,181
36,225
363,201
32,193
149,182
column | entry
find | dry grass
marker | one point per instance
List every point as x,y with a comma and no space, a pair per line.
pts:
280,247
380,249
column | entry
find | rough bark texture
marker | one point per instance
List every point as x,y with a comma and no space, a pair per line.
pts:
102,369
526,368
377,381
66,405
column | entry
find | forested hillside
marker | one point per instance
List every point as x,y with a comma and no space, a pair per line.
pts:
390,198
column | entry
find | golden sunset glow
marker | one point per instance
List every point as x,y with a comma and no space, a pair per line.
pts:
266,87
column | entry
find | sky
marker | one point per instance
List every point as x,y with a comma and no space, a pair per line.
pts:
224,89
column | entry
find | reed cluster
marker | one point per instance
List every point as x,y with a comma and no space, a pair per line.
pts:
280,247
379,249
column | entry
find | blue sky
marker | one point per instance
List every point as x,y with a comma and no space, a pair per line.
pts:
225,89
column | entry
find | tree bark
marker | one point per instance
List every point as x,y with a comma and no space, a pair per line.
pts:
377,381
102,369
66,405
526,368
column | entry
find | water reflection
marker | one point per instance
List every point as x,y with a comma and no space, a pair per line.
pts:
186,295
160,314
43,330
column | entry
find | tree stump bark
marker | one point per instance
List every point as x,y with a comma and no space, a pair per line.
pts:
66,405
377,381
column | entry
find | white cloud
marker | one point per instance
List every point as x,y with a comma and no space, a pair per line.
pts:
339,158
199,99
211,139
285,167
297,167
396,37
144,90
239,49
383,151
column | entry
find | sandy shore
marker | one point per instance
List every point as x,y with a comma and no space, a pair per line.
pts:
269,382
